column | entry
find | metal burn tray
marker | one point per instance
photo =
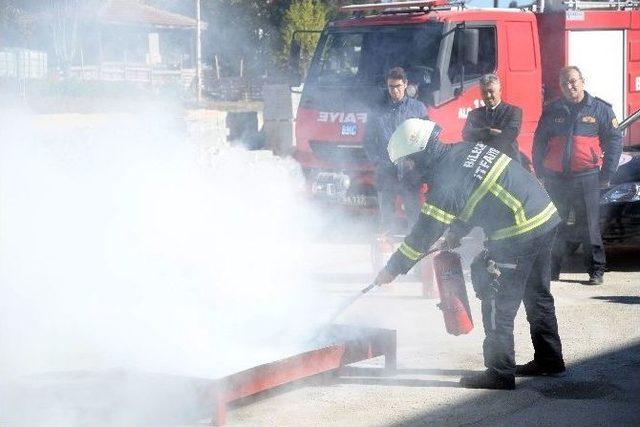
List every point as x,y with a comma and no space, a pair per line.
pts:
125,396
339,345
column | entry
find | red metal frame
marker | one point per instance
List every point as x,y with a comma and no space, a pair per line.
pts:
366,344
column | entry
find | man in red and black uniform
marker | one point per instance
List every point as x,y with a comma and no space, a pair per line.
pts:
576,149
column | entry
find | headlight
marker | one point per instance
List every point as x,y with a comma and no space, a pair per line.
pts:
627,192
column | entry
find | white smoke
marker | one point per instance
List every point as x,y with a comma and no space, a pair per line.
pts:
124,247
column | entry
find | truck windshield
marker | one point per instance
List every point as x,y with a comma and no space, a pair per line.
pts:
362,56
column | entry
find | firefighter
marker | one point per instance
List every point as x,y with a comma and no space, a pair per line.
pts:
472,184
572,135
390,180
497,123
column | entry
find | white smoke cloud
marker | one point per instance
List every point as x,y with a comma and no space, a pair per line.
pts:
124,247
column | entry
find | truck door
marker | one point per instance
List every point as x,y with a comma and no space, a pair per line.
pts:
522,77
466,54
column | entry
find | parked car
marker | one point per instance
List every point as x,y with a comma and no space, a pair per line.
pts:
620,204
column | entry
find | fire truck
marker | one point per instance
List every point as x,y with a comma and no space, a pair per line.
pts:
445,48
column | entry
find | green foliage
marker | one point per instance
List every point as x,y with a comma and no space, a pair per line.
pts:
303,15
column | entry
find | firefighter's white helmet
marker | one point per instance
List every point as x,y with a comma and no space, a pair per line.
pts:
411,137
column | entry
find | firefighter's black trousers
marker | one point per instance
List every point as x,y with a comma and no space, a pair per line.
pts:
582,194
525,276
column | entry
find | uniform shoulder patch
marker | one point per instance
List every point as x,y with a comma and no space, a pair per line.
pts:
614,123
603,101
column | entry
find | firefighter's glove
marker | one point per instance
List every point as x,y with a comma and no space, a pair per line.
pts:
451,241
383,277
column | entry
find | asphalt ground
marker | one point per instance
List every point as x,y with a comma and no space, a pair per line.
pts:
599,327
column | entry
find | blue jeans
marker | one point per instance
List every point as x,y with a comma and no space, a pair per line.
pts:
389,186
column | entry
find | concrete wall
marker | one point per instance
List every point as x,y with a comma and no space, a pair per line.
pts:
280,109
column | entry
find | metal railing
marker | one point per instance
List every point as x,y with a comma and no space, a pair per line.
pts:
602,5
128,72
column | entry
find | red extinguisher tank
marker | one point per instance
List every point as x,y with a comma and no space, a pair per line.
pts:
454,303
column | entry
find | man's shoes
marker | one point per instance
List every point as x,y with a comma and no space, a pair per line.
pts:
595,280
533,369
488,380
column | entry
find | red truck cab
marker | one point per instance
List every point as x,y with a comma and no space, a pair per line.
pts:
445,49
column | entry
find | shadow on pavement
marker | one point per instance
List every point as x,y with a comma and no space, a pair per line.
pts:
403,382
356,371
619,299
578,282
603,390
623,259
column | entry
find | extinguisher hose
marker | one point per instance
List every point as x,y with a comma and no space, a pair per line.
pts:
347,303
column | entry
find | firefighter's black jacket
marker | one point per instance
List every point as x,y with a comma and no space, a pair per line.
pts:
471,184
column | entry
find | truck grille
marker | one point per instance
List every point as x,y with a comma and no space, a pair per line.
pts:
338,153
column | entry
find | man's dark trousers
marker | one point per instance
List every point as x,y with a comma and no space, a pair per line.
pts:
525,276
389,185
581,193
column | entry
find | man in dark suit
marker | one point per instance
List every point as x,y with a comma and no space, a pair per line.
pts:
497,124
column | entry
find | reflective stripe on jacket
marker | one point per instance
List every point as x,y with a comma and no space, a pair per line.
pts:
477,185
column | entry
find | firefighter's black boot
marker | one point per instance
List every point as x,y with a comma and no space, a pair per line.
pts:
534,369
595,280
488,380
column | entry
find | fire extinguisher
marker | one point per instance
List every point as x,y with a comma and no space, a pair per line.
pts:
454,303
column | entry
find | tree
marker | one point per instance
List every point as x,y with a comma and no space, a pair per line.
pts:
303,15
14,28
64,26
248,30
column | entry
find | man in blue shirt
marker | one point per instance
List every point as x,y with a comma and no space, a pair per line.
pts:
391,180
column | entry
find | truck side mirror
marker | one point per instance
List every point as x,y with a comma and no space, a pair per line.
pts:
295,77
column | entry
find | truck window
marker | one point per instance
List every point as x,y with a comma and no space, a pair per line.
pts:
475,63
340,58
363,55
